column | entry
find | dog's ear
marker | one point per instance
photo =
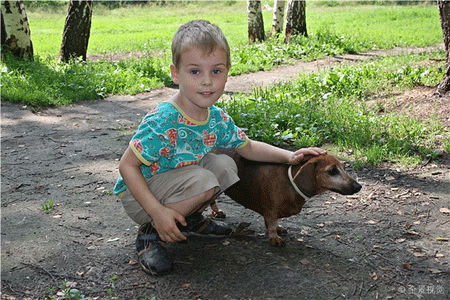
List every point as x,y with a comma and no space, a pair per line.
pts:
307,157
306,178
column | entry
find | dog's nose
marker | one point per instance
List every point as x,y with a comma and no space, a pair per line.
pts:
356,187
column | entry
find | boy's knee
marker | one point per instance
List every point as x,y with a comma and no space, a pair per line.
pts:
224,163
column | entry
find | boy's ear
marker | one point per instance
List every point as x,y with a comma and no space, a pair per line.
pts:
174,74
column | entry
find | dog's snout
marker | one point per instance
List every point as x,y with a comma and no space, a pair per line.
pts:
356,187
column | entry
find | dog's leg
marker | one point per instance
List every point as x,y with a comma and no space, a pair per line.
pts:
272,227
281,230
216,212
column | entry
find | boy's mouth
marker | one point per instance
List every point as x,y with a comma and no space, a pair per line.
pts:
206,93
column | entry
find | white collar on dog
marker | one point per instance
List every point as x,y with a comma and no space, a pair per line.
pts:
295,186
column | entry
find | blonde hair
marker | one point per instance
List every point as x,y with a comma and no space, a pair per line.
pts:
201,34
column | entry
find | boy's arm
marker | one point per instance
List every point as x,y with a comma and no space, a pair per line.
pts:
263,152
163,217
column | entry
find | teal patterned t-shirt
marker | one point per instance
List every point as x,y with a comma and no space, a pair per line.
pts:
167,139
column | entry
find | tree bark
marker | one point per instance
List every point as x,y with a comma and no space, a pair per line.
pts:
278,17
444,13
255,21
76,30
15,30
295,19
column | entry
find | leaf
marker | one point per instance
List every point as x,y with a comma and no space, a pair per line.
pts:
419,254
304,261
441,239
444,210
186,285
374,276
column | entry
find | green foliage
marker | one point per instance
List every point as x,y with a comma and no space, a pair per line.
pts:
48,83
48,205
331,107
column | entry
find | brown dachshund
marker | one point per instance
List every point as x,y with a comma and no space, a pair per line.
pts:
280,190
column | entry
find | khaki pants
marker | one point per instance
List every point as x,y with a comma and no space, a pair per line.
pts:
214,171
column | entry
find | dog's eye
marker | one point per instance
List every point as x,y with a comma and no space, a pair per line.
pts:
333,171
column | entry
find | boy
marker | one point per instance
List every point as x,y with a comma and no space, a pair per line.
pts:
168,175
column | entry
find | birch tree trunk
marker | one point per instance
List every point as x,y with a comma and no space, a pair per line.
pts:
295,18
278,17
76,30
444,13
15,30
255,21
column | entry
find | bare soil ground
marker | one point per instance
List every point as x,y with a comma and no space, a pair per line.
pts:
386,242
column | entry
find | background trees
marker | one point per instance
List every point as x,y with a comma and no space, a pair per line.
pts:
76,30
255,21
15,31
444,13
295,19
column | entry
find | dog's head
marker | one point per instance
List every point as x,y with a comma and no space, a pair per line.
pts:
325,173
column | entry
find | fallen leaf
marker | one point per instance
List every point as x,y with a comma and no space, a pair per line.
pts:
71,284
113,240
376,247
416,223
439,255
406,266
435,271
419,254
304,261
226,243
372,222
441,239
133,262
374,276
412,232
79,273
400,240
444,210
186,285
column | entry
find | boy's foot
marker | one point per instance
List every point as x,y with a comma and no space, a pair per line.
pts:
197,223
152,253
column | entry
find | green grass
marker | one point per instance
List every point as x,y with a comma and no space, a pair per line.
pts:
150,28
332,107
314,110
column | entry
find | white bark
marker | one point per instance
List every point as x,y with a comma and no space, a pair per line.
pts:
18,36
278,16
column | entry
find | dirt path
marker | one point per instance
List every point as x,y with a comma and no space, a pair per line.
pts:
378,244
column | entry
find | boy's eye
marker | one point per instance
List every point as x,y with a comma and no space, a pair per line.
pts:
216,71
195,72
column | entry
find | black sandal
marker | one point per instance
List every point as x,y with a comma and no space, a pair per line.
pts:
152,253
197,223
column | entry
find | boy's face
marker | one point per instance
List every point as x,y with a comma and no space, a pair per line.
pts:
201,78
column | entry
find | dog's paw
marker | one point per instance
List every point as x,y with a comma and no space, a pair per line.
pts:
276,241
219,214
281,230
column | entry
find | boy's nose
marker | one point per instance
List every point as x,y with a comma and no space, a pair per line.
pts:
206,80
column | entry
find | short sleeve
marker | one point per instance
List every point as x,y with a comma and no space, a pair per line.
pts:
231,136
153,138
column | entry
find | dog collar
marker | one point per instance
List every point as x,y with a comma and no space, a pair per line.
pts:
295,186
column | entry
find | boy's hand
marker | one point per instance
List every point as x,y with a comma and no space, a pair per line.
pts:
300,154
165,223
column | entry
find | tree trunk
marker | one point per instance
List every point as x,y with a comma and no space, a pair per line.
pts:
278,15
15,31
255,21
76,30
444,13
295,18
